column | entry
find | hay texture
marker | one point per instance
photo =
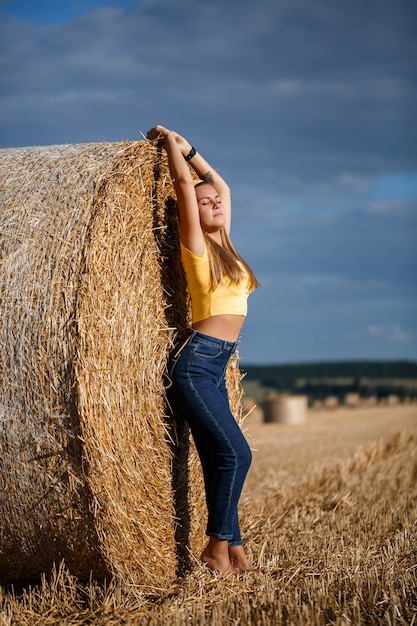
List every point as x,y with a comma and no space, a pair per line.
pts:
93,469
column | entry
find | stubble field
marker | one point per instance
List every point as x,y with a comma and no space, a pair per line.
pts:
329,515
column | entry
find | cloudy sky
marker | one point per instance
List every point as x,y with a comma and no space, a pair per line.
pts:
307,108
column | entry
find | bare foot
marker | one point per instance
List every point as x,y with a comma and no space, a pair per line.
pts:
239,560
216,557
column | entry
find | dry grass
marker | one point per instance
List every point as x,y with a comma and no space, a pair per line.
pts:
329,510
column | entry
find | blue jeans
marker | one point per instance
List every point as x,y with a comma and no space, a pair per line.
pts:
198,394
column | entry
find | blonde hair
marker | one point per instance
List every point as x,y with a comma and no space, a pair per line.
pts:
225,262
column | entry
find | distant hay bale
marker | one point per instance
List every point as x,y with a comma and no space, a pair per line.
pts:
285,409
93,470
331,402
352,400
317,404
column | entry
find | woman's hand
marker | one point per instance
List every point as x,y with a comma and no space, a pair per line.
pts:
162,133
157,132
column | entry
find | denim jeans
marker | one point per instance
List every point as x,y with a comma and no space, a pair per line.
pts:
198,394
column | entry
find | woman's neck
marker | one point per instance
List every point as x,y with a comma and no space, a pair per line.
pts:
216,236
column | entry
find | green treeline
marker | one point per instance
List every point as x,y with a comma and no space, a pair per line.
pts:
318,380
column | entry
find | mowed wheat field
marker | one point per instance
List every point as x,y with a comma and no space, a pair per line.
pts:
329,515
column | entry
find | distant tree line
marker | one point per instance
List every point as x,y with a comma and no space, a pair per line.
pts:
319,380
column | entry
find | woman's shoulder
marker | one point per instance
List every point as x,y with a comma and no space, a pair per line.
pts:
186,252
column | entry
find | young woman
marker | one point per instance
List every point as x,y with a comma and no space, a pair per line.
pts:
219,282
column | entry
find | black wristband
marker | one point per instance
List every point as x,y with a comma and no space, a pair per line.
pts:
191,153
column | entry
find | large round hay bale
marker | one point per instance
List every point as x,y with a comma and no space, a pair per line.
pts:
93,469
285,409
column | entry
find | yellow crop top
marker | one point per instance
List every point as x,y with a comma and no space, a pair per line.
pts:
226,299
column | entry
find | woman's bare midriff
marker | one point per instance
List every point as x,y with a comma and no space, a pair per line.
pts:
226,327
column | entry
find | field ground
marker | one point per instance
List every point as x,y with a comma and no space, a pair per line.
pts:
291,452
329,512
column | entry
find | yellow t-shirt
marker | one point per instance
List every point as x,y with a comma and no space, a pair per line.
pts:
226,299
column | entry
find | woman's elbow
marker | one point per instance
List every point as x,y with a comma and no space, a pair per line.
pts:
183,181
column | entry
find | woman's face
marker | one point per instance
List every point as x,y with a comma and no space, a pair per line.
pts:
210,208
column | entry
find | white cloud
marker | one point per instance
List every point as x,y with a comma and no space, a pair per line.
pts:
391,332
353,182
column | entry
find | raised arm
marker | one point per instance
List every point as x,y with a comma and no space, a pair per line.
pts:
209,175
178,149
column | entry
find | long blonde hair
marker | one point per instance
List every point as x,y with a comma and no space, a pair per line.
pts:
225,262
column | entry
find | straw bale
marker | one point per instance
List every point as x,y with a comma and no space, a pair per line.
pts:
352,399
94,470
285,409
331,402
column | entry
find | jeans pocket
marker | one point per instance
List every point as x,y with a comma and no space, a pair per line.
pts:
207,351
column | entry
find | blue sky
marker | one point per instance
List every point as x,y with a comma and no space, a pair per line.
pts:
306,107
